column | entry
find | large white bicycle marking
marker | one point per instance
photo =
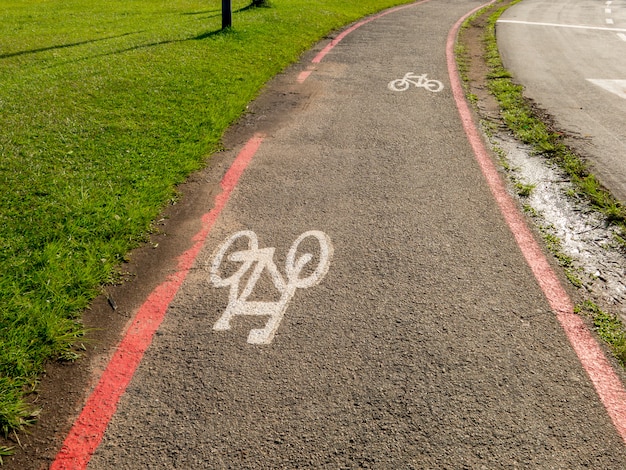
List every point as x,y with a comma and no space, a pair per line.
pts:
238,303
420,81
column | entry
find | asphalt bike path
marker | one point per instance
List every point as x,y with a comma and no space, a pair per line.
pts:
359,300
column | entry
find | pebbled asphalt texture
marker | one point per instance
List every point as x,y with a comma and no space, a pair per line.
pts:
427,344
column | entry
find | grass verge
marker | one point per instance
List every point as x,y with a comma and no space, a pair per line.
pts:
609,327
105,108
5,452
528,126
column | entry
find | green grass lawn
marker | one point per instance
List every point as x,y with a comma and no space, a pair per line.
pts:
106,105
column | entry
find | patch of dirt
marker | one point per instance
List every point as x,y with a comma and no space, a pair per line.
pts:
64,386
597,261
472,40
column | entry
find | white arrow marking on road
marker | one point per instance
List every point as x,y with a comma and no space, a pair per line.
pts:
614,86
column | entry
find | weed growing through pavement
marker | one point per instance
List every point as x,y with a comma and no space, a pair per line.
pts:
5,452
608,326
524,189
528,127
520,117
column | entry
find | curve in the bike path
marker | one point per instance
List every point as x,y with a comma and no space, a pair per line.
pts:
608,385
389,399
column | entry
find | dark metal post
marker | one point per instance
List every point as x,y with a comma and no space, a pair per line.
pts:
227,14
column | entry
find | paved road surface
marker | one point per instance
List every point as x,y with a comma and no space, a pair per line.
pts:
426,343
569,55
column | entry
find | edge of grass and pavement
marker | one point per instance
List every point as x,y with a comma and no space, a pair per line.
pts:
533,127
105,108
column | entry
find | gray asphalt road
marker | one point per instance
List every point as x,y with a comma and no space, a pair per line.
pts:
569,55
426,343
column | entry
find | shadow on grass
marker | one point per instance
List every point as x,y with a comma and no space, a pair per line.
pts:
193,13
63,46
199,37
206,35
252,6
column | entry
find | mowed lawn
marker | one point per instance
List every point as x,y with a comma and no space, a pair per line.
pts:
105,106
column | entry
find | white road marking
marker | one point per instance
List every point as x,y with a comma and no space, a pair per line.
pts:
607,11
622,36
403,84
609,21
238,303
598,28
614,86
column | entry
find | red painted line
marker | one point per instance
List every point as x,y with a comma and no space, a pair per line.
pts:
606,382
304,75
330,46
88,429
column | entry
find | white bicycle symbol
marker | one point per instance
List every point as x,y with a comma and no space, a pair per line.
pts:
238,303
420,81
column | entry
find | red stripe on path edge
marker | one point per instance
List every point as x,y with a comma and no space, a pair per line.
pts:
318,58
606,382
88,429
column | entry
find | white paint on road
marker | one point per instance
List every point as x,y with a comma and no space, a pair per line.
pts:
608,12
238,303
622,36
614,86
557,25
420,81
